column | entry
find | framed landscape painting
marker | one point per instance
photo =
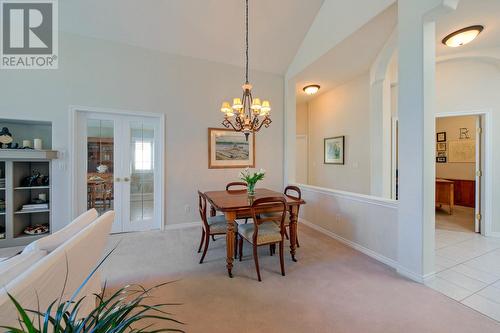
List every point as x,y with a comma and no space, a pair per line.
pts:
334,150
230,149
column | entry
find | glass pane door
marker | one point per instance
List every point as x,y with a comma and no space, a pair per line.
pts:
100,164
141,167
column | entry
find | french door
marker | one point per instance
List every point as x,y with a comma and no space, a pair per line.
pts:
122,158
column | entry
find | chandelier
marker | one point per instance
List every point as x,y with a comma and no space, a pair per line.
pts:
247,114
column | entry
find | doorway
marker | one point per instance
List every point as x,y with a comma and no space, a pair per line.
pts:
119,167
459,173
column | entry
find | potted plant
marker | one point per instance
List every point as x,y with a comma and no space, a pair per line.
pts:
251,178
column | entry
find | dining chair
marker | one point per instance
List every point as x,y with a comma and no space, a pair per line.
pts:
242,186
229,186
298,196
266,230
211,226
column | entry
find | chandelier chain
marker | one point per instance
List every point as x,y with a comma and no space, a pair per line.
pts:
246,50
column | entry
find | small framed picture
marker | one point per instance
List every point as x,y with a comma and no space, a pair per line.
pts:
334,150
441,146
441,159
441,137
441,154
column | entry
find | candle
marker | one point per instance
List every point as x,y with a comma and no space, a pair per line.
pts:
26,143
38,144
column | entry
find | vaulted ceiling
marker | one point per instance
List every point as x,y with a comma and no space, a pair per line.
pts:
205,29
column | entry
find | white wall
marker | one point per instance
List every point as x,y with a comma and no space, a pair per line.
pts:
110,75
471,85
452,125
367,223
302,118
344,110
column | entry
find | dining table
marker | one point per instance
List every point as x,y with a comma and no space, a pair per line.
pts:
236,204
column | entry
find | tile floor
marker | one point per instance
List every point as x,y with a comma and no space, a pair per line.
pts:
468,269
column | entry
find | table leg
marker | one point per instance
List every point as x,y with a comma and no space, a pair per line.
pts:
293,230
230,218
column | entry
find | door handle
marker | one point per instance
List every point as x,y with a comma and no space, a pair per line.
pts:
126,179
117,179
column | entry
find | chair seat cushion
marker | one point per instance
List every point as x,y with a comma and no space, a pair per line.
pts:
218,224
268,232
278,216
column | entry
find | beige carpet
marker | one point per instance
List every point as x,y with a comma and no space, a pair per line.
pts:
331,289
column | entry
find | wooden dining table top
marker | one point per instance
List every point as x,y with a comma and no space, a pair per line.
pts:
234,200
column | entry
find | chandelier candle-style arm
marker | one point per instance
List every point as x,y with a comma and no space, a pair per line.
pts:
249,113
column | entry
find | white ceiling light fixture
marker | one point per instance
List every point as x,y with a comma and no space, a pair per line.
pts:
311,89
462,36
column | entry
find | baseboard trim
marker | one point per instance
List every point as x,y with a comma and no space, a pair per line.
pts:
178,226
372,254
383,259
495,234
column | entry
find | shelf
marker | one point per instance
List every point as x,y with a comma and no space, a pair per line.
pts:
28,154
31,187
23,235
2,213
34,211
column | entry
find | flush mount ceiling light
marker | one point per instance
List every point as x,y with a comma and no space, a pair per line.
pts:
462,36
311,89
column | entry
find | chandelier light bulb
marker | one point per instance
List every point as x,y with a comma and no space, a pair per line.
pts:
237,104
226,107
256,105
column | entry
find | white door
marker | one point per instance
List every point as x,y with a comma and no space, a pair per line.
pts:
123,169
479,175
301,159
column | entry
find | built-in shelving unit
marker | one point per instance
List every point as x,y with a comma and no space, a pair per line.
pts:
2,201
15,167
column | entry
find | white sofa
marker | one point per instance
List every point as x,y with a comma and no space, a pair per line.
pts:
40,270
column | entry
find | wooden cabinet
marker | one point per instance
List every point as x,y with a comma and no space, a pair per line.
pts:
465,193
100,151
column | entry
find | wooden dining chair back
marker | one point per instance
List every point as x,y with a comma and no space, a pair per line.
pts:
211,225
239,185
202,208
293,192
291,188
260,206
99,192
266,229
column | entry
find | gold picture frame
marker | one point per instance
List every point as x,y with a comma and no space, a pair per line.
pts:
230,149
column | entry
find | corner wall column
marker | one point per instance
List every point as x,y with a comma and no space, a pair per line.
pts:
416,39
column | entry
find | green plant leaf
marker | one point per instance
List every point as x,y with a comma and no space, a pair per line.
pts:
25,319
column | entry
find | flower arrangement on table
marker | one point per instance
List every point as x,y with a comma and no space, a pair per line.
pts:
251,178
